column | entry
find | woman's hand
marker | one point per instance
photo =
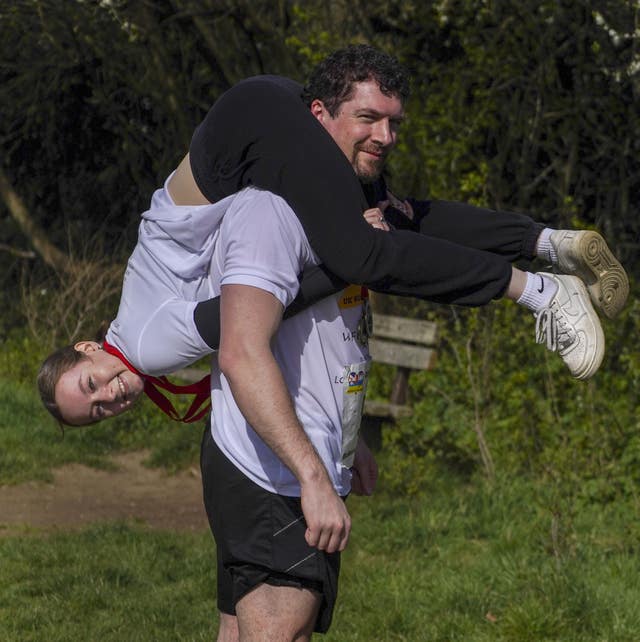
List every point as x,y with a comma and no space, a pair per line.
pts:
364,472
402,206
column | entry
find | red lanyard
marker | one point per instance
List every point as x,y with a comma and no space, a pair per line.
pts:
153,385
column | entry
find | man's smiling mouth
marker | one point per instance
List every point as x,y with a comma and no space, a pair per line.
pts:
376,153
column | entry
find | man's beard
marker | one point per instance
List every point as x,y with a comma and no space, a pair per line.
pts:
369,172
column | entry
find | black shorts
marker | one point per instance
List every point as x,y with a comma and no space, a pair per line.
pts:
260,537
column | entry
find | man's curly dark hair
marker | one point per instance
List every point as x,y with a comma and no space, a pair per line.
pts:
332,80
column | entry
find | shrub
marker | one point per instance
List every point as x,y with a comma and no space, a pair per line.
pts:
496,402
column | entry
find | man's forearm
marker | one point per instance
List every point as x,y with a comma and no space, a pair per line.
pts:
266,405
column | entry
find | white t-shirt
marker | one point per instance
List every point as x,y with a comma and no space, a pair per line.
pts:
325,366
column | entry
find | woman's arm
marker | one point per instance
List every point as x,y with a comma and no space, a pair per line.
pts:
316,284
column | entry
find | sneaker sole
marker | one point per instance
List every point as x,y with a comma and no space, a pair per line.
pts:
605,278
597,337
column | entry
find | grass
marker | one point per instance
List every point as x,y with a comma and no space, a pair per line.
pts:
454,565
518,560
31,444
107,583
459,563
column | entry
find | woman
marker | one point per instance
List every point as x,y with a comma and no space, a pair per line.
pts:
268,155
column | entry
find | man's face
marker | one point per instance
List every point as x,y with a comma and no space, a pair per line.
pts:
97,387
365,127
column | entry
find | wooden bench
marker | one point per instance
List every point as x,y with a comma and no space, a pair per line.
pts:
408,344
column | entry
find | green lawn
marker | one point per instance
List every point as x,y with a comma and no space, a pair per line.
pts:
519,560
468,563
31,443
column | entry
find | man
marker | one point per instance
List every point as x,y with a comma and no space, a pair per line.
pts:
284,425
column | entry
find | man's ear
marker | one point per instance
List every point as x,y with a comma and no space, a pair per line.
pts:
319,110
87,346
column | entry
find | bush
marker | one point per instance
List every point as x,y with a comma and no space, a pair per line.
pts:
498,403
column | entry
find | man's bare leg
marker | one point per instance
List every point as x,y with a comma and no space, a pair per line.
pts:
228,629
277,614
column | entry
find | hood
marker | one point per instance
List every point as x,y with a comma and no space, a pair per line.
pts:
181,237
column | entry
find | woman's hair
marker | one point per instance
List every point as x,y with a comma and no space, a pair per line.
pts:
53,367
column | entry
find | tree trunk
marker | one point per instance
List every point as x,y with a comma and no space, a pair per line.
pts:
50,254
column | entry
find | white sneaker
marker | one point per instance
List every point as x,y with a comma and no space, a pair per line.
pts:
570,327
585,254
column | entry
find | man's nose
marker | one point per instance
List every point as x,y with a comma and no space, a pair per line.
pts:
382,133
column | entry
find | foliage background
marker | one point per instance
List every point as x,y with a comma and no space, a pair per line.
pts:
529,106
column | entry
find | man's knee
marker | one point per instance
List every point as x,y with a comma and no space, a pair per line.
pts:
282,613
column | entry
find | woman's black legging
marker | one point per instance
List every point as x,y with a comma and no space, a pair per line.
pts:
260,133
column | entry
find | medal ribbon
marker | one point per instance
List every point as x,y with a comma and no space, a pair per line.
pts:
153,387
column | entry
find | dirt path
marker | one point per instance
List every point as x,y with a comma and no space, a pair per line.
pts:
80,496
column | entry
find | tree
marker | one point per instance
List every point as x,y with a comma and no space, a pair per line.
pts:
523,105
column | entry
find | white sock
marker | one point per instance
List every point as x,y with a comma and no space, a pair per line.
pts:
538,292
544,249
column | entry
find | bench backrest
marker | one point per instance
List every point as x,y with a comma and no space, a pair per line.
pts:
408,343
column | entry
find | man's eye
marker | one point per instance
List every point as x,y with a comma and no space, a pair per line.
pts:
92,386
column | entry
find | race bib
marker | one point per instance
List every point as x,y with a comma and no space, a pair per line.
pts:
354,388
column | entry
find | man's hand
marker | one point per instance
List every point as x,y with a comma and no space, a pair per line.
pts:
375,216
328,521
364,470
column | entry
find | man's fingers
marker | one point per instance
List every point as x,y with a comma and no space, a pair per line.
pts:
330,539
337,539
346,532
373,215
375,218
312,537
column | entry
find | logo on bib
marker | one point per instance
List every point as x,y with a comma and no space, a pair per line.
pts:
355,381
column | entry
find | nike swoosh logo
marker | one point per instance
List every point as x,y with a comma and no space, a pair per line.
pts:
541,288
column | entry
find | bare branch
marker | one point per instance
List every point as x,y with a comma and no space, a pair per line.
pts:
50,254
22,254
